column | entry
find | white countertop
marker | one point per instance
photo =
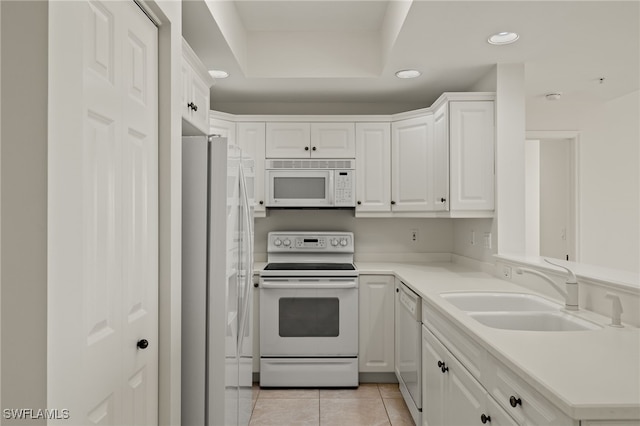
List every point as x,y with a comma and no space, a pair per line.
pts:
586,374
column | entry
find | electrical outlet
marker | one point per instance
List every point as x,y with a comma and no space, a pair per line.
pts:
487,240
506,272
414,235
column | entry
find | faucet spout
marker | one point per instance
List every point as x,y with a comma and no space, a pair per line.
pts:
570,294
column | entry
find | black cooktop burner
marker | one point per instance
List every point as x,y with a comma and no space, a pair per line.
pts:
310,267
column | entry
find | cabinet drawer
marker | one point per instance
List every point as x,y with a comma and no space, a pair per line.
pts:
531,408
468,352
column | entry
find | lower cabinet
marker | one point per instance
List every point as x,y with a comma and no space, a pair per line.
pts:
451,396
376,329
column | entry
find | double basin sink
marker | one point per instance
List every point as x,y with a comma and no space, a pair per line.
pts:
517,311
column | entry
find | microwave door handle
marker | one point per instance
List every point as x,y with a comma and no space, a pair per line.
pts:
332,188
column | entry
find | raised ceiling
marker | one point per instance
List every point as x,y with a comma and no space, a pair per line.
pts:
342,51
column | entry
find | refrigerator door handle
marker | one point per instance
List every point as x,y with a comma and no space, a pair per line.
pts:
249,267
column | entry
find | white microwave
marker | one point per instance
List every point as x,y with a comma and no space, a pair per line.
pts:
310,183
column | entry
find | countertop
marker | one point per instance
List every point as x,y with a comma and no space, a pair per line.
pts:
586,374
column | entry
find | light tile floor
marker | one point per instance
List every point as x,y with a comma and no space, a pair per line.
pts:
369,405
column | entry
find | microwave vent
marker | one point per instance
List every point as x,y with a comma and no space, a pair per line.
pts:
310,164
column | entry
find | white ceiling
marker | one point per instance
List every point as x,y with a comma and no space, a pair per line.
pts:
347,51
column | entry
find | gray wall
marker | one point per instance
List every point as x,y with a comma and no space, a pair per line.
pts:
23,217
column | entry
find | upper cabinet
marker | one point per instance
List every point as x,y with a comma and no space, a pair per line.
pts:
251,139
373,167
196,82
438,162
414,157
471,144
310,140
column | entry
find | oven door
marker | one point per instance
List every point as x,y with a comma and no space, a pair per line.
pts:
300,188
306,317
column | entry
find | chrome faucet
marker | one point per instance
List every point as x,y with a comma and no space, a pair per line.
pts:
571,284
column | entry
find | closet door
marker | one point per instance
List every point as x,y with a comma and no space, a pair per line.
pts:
103,214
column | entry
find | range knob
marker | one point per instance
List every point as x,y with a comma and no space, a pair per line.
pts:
343,242
277,242
287,243
334,242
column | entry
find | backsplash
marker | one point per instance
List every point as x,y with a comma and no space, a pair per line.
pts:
372,235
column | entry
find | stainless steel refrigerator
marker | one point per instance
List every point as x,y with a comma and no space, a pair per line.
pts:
217,290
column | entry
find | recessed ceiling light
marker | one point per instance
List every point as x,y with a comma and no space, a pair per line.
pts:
408,74
218,73
505,37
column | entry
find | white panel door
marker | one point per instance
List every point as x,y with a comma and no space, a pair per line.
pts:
412,164
288,140
376,332
373,159
333,140
472,140
103,218
251,139
441,158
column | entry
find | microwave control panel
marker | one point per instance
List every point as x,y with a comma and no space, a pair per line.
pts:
344,191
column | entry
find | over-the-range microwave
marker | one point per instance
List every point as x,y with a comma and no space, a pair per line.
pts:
310,183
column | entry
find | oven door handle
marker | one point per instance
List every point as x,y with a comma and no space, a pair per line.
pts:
310,284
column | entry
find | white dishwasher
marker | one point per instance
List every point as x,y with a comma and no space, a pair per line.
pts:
408,356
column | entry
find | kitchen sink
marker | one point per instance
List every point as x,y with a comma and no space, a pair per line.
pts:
499,301
533,321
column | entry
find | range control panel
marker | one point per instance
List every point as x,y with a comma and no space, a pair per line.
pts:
327,242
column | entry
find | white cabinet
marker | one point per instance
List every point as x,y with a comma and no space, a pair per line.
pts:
310,140
333,140
196,82
376,328
471,144
288,140
373,167
462,382
414,157
223,128
451,395
251,139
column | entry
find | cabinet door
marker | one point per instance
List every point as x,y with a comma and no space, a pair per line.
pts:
412,164
186,89
224,128
441,158
200,99
376,311
471,142
251,139
499,417
465,397
333,140
433,380
288,140
373,167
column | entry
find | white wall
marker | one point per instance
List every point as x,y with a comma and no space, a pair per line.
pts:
608,181
375,239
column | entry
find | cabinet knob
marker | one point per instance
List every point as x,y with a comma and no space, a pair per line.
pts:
142,344
195,107
443,366
443,200
190,105
397,290
514,402
256,285
393,202
261,202
485,419
359,202
306,148
314,148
